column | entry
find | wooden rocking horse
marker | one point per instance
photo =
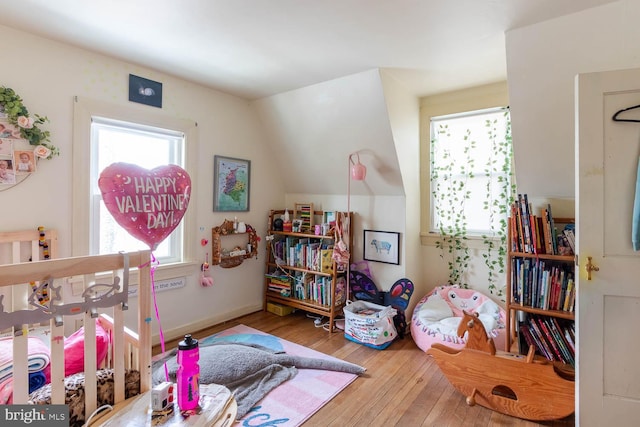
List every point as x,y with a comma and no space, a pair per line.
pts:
521,386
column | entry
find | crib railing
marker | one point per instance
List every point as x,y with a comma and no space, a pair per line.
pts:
128,350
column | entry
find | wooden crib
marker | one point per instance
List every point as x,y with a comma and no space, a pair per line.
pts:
19,279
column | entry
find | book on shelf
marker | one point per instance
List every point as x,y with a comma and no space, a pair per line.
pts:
540,340
558,335
571,238
544,284
549,335
549,338
326,260
546,231
539,235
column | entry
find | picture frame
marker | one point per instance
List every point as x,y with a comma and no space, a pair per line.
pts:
381,246
328,217
231,184
145,91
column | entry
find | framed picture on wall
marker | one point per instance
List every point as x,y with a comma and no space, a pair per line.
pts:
231,184
382,246
145,91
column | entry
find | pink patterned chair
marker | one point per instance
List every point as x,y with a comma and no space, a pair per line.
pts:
437,315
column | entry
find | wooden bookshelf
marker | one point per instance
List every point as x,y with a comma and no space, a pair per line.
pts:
542,286
299,270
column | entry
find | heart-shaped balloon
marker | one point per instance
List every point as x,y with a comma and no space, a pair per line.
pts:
149,204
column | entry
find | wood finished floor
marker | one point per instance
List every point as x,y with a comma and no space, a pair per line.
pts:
402,386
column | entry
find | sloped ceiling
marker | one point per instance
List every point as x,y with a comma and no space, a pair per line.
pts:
254,48
313,131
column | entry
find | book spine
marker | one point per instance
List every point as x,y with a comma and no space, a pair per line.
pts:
554,232
524,212
553,341
558,333
567,297
540,343
542,249
513,229
528,338
546,338
521,242
515,280
547,232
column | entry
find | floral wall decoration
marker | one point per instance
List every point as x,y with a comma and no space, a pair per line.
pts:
22,140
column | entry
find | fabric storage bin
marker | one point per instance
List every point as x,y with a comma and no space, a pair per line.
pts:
369,324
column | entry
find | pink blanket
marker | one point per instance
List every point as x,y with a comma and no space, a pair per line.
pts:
38,360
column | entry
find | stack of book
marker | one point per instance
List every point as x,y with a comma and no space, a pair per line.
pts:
537,234
279,283
552,338
544,284
308,253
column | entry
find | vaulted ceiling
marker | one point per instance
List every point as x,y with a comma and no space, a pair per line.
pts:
257,48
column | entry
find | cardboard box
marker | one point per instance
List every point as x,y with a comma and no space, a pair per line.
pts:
280,310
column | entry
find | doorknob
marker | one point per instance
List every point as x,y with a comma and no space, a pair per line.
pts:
590,267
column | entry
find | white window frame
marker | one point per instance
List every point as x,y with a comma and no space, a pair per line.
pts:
478,173
477,98
177,144
84,111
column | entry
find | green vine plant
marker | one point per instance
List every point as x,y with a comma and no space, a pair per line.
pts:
500,196
451,192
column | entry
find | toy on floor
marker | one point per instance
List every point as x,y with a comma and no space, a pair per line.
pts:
520,386
398,296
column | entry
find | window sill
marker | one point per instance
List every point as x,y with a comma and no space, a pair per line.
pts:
163,272
474,241
178,269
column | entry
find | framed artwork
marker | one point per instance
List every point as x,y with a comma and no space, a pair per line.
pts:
328,217
145,91
231,184
382,246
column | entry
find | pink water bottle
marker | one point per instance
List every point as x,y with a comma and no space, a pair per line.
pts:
188,373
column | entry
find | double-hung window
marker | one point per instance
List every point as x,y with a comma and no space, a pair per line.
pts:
115,141
470,172
107,133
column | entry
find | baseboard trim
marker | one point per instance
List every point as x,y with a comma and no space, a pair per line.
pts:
172,334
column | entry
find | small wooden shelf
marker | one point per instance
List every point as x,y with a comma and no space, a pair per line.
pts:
229,261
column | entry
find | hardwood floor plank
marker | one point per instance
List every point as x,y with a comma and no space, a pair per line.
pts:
402,386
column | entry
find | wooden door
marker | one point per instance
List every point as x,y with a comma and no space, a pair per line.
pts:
608,306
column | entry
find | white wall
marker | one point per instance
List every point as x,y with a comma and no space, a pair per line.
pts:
404,116
47,75
542,62
314,129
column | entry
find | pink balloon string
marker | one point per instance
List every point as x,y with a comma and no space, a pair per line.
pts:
154,265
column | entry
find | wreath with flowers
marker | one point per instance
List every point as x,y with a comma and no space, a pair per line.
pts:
18,115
